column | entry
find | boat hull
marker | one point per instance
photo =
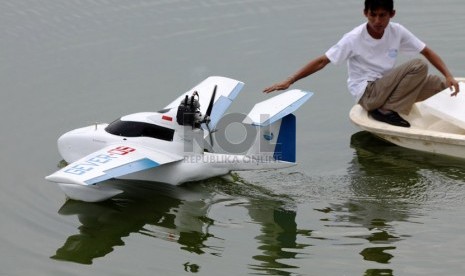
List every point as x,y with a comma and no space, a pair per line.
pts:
91,193
427,133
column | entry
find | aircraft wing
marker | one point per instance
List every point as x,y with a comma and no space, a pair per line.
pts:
110,162
227,91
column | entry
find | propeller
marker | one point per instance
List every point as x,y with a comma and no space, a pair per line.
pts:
206,119
210,105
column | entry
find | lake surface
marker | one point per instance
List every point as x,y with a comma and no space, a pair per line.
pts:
353,206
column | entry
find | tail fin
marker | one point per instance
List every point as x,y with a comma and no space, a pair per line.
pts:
285,147
276,141
276,126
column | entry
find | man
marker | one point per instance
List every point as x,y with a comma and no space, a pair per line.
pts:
371,50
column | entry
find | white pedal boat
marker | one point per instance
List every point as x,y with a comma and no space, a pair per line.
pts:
437,125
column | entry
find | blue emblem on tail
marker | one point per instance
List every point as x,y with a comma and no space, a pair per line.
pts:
268,136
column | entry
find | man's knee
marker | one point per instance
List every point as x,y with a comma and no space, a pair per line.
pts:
420,66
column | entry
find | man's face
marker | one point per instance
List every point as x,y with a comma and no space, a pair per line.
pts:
377,21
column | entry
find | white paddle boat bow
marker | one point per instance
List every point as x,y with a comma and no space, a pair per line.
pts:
437,124
176,145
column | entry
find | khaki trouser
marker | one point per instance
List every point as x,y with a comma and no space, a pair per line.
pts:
403,86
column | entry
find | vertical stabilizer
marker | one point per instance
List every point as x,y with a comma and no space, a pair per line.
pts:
276,126
285,148
275,142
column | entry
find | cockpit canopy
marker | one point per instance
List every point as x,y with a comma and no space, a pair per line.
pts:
139,129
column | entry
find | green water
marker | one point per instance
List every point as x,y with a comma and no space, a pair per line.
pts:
354,205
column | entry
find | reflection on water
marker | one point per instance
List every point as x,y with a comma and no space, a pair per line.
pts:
389,183
384,171
276,214
180,215
365,220
166,212
375,156
277,240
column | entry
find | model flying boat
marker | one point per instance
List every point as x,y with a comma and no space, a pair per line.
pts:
177,144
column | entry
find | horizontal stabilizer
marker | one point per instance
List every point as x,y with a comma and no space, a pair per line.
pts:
111,162
276,108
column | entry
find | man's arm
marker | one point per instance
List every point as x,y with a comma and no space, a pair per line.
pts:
437,62
313,66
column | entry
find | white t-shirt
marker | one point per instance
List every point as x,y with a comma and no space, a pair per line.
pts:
369,59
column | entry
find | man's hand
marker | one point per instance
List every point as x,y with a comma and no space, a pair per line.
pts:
453,84
280,85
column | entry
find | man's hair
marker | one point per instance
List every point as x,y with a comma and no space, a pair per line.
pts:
371,5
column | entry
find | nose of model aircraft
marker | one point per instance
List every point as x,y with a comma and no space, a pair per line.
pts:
78,143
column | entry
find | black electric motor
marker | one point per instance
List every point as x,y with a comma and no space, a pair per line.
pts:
189,111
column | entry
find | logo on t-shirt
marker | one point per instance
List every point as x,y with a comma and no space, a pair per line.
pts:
392,53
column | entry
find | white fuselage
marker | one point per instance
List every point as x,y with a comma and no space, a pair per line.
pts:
186,141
